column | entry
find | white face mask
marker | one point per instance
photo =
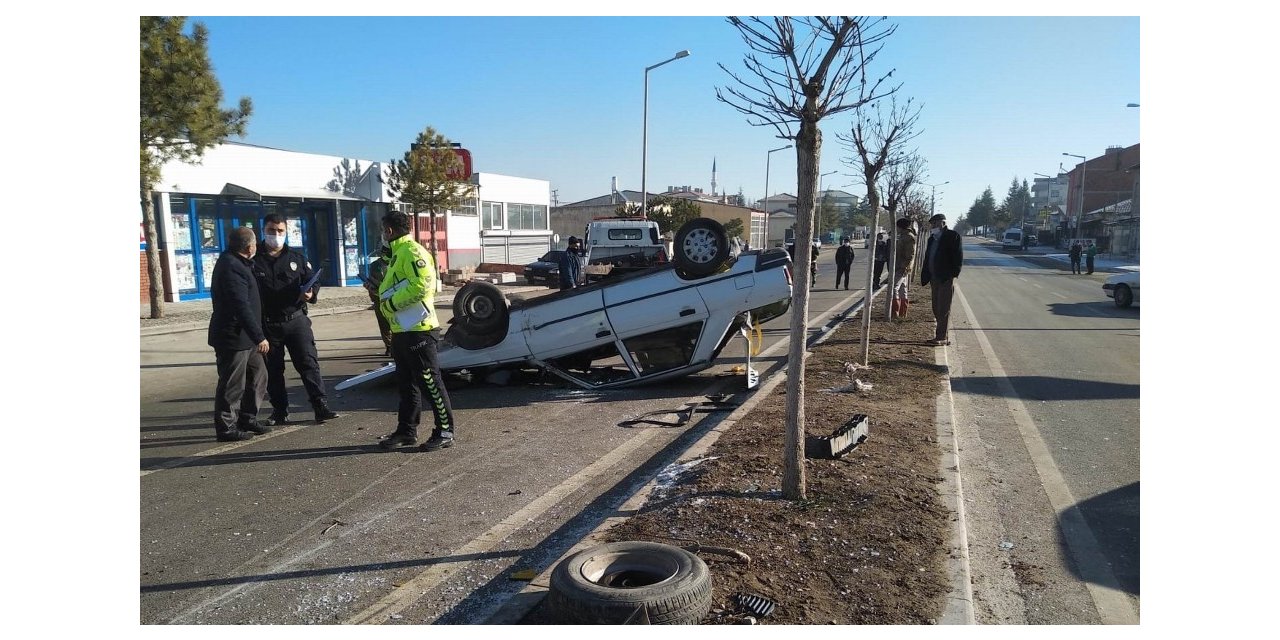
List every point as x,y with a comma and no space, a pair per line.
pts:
274,242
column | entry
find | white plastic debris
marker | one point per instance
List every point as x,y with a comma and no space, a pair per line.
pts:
1006,545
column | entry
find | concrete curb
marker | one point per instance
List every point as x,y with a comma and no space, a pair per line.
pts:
203,325
959,609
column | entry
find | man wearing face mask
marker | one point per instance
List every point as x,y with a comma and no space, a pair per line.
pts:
942,259
281,272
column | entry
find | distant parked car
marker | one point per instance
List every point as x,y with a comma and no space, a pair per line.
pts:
546,270
1123,287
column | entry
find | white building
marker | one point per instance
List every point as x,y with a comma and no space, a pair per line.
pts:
333,207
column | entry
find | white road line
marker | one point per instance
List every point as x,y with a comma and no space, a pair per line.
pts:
1058,294
1110,600
409,592
178,462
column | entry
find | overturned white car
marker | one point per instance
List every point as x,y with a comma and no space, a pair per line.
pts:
650,325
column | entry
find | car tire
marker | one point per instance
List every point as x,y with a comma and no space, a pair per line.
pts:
630,582
701,247
482,308
462,337
1124,296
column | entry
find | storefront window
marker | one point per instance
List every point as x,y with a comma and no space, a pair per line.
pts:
526,216
492,216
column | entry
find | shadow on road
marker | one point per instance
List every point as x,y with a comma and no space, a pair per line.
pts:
1046,388
1113,517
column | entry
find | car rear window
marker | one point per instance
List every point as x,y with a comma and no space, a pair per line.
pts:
625,234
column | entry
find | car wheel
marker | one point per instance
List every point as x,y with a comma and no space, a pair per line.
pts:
630,582
460,336
1124,296
482,308
701,247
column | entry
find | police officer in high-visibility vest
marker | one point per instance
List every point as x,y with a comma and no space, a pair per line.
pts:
407,300
281,272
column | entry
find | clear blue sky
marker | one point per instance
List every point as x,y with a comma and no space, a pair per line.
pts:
560,98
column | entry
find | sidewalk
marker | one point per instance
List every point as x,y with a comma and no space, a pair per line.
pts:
193,315
1102,262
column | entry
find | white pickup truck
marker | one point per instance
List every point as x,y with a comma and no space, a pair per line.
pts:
617,246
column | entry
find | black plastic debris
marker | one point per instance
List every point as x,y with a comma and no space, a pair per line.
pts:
759,606
841,441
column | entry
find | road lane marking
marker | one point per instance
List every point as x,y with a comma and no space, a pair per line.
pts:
1058,294
232,446
411,591
1110,600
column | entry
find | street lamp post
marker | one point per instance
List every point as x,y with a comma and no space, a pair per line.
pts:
819,216
1084,168
933,191
765,243
644,142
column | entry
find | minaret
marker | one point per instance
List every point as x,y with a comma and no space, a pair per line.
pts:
713,176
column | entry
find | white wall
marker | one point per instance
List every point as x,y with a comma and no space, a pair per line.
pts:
266,171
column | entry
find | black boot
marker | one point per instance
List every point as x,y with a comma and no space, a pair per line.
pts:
398,439
233,435
323,412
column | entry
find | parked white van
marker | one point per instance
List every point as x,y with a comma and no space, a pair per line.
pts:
1012,240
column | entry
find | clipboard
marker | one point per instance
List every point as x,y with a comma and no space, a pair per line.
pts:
311,282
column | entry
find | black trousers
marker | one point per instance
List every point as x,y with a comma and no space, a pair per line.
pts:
418,374
879,270
842,271
242,384
943,288
1088,262
296,337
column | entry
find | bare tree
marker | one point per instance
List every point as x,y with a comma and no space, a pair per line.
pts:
799,79
899,180
878,138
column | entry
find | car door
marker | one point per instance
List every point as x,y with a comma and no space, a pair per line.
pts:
568,323
658,320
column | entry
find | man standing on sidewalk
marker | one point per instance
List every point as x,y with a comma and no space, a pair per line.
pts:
881,257
905,258
942,259
407,296
282,273
1074,254
1089,254
235,333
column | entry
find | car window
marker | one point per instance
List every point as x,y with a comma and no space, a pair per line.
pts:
664,350
625,234
551,256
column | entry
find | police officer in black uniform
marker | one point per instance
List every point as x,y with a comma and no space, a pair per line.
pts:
281,272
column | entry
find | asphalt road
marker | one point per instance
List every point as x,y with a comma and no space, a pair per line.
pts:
315,524
1045,374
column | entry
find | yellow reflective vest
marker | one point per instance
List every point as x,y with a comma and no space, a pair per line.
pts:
408,292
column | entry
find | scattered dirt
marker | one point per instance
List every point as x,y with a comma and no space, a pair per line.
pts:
868,544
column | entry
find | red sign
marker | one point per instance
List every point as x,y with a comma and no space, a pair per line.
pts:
465,172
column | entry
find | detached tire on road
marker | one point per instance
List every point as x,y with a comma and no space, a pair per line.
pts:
701,247
637,582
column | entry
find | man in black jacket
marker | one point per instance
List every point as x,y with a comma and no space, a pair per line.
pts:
942,258
844,262
235,333
282,271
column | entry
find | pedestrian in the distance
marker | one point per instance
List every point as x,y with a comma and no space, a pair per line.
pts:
1075,257
238,341
282,273
1088,256
881,257
407,299
844,262
905,257
942,259
571,265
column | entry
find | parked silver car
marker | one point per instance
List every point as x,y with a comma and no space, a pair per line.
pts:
1123,287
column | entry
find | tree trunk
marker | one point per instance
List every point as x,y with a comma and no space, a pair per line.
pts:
808,153
155,273
873,198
